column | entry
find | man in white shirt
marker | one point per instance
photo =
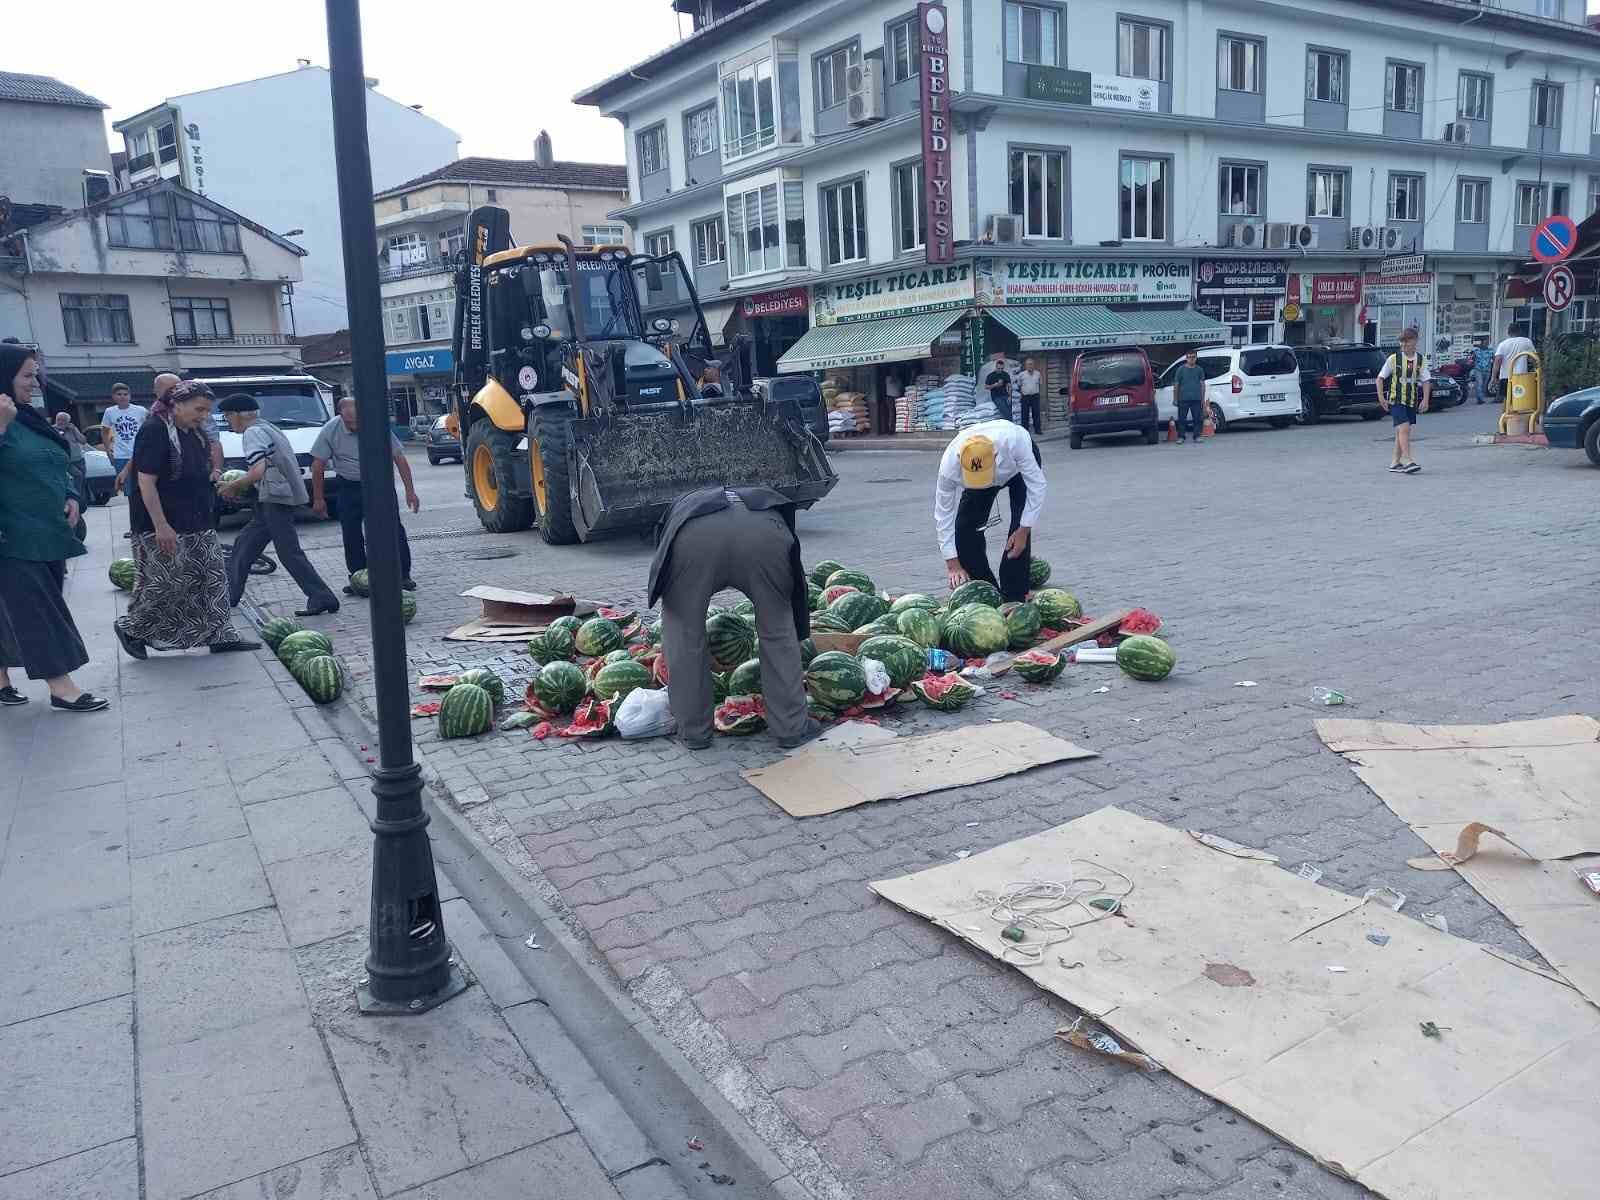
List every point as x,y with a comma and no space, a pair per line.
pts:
1028,384
980,461
119,426
1505,355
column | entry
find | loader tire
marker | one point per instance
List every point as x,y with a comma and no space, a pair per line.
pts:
552,482
491,478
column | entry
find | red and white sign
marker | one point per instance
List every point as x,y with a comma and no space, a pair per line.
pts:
1335,289
934,45
1559,288
787,302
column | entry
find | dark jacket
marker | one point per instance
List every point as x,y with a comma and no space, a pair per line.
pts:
35,482
710,500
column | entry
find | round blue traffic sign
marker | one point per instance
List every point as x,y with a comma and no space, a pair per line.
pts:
1554,238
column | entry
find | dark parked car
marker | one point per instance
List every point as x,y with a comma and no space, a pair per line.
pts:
442,443
1112,391
1573,422
1339,379
1447,390
806,394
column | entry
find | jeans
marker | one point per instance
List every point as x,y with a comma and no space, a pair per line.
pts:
1480,384
1002,405
121,464
352,524
1191,417
1030,412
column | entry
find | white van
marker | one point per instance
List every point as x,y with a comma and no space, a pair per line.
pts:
1243,383
299,405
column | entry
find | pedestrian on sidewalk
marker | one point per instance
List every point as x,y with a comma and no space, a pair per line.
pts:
1482,367
77,465
271,468
337,444
38,510
162,384
998,381
1028,384
1404,388
1506,355
740,538
980,461
120,424
1189,391
180,590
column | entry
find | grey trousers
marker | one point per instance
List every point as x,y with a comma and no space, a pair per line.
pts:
275,523
749,551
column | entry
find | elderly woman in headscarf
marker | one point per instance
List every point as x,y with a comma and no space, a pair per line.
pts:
180,590
38,509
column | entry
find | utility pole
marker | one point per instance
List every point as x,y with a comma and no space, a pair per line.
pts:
409,968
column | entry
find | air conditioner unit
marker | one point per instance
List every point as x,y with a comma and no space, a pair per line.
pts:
1304,237
1247,234
863,90
1457,131
1368,238
1004,229
1388,238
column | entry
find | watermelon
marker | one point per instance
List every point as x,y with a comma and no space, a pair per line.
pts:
820,572
731,639
465,711
1038,666
903,658
359,584
745,608
856,579
560,686
1056,606
232,476
813,597
913,600
829,595
947,693
555,644
976,631
820,711
598,636
321,675
836,679
570,623
827,622
885,624
808,651
719,685
617,679
275,630
408,607
620,617
487,680
974,591
740,716
1038,573
857,608
745,679
305,641
592,718
122,573
1146,657
1140,620
1023,624
920,625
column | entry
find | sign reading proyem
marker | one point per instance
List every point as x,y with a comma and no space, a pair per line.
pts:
1554,238
1559,288
934,45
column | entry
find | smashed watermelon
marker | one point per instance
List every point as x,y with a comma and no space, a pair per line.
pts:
829,595
740,716
591,720
1038,666
1140,620
947,693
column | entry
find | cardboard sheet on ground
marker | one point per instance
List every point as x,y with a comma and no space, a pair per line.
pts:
513,616
828,779
1534,784
1221,973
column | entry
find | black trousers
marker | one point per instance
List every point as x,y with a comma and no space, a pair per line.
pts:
971,550
275,523
1030,413
37,631
352,523
1191,417
1002,405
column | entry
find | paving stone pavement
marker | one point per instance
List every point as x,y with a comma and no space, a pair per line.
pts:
878,1056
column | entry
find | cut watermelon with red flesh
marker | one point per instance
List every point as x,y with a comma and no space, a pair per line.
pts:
1140,620
542,730
740,715
592,719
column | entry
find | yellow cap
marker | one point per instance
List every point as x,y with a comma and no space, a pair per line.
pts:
977,462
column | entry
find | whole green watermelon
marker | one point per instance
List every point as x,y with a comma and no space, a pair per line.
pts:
920,625
1038,666
1038,573
1056,606
275,630
465,711
408,607
306,641
731,639
976,631
820,572
813,596
745,679
836,679
570,623
808,651
884,624
122,573
359,583
903,658
321,675
913,600
746,608
487,680
598,636
617,679
859,580
1023,622
1146,657
855,609
829,622
560,685
974,591
555,644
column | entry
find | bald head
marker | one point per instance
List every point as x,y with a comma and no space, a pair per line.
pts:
164,383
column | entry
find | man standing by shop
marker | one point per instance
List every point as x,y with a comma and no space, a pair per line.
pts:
337,444
980,461
1482,368
1404,388
1505,357
1029,384
119,426
1189,392
998,381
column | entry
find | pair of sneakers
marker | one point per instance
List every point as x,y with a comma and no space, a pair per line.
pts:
1404,468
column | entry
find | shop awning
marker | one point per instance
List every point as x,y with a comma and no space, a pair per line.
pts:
1084,326
1163,326
857,343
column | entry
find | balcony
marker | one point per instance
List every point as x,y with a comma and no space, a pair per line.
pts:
389,272
176,340
141,162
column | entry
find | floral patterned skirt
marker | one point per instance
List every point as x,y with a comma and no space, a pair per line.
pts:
180,601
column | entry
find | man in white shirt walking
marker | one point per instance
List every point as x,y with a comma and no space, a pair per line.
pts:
1505,356
980,461
120,425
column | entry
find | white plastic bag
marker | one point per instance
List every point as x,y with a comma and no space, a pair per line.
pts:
644,713
877,676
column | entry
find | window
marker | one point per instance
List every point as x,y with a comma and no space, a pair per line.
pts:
167,143
1403,88
167,222
405,203
1039,193
653,150
1530,203
1558,198
1033,34
1546,105
833,72
1594,193
910,211
700,131
1405,197
1472,201
1143,199
844,222
451,244
709,247
417,318
1327,194
1325,70
900,48
94,320
1142,50
1239,64
1473,96
1239,188
749,114
658,244
139,144
493,195
197,319
604,235
753,228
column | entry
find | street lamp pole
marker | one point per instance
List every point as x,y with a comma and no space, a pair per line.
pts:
409,965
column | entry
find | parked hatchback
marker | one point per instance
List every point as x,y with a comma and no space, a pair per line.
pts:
1243,383
1112,391
442,441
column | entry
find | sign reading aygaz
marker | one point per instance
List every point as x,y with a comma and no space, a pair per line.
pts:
1084,281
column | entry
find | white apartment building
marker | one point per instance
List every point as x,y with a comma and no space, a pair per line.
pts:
1156,170
265,147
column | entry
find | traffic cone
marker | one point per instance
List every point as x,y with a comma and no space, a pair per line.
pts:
1172,430
1210,427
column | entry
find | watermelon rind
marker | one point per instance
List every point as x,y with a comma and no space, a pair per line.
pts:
1023,623
569,623
830,594
913,600
465,711
837,679
122,572
808,651
857,608
274,631
560,686
1146,657
617,679
813,597
745,679
976,631
903,658
825,568
598,636
1038,666
1038,573
974,591
859,580
947,693
827,622
359,583
730,638
487,680
886,624
1057,605
740,715
555,644
745,608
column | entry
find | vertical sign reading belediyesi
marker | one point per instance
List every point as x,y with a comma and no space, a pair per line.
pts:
935,69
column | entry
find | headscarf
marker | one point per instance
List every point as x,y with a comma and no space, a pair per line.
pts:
162,409
12,356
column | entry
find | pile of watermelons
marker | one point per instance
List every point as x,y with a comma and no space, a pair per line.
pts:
309,657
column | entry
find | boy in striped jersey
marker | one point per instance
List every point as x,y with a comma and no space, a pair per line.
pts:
1404,386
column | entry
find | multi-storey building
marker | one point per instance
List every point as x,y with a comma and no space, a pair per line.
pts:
55,140
421,230
265,147
1155,171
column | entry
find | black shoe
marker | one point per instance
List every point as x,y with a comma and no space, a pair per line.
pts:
813,729
132,645
234,647
689,743
408,584
10,697
85,703
330,605
128,536
349,591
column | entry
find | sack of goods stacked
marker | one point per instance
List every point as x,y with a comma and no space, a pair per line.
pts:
847,413
906,410
959,399
933,402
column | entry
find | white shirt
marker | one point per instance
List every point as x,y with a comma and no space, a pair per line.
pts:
1013,456
1029,382
124,425
1508,350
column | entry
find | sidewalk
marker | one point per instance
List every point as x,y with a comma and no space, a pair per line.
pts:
183,899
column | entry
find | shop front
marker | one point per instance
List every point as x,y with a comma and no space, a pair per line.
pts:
774,320
1399,295
1326,306
419,383
1245,294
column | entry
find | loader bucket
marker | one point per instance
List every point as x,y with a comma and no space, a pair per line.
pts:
628,468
